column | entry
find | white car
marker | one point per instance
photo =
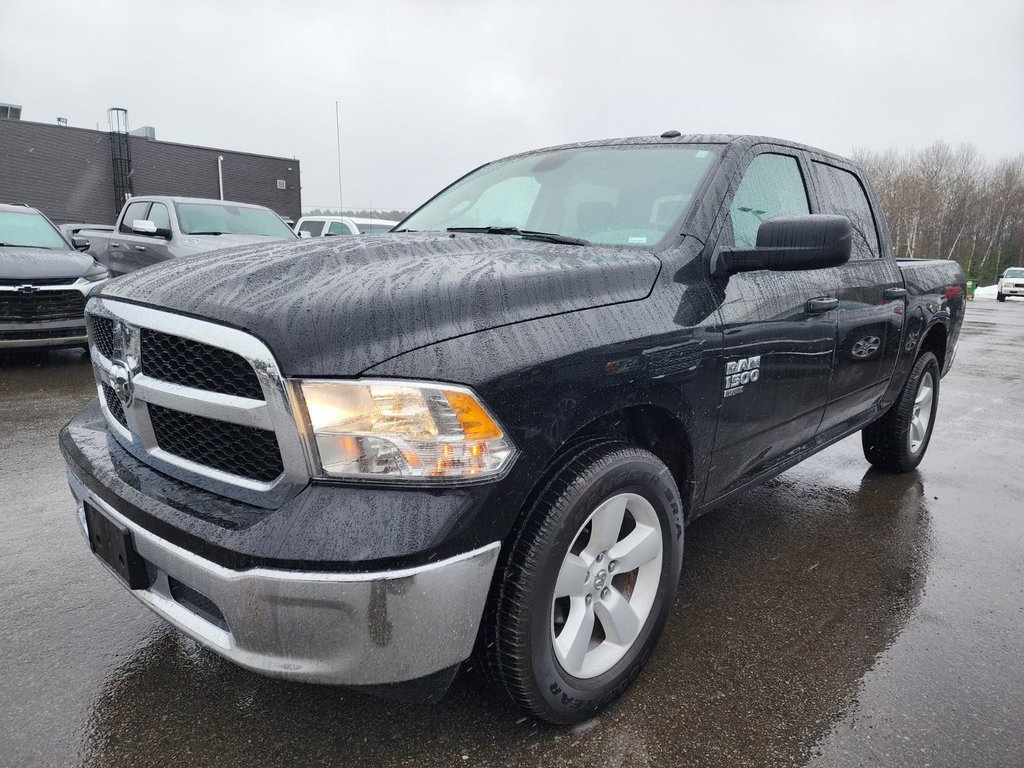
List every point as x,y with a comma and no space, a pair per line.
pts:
328,226
1011,283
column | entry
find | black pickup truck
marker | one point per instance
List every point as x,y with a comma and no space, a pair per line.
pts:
354,461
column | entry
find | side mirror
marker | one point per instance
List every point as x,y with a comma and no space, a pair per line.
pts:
143,227
791,243
303,234
80,243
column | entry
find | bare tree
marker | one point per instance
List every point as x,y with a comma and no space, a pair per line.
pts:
950,203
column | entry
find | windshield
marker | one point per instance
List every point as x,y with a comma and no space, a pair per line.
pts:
627,195
214,218
1014,273
28,229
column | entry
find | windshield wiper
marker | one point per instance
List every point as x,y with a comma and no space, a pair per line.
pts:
550,237
207,233
22,245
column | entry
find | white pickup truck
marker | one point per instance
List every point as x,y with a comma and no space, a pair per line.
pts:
154,229
328,226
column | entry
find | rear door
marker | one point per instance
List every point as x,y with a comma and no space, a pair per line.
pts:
871,300
778,347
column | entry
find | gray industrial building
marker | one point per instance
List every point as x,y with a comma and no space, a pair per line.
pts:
76,174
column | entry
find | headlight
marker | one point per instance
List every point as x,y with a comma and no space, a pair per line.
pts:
402,430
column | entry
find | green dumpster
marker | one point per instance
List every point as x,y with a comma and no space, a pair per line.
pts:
971,285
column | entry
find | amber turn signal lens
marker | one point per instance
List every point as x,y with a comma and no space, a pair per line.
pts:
475,422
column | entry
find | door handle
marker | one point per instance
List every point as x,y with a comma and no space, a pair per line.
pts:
895,293
140,248
115,245
821,305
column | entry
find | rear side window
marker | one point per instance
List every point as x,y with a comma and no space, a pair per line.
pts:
315,228
339,228
134,212
772,186
843,194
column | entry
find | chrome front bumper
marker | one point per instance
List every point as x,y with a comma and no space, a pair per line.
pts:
318,627
69,340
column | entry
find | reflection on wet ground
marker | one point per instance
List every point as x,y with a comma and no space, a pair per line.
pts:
788,598
834,616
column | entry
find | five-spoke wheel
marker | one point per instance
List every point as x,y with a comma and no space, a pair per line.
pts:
607,585
588,584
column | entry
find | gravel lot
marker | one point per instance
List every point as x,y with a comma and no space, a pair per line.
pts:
835,617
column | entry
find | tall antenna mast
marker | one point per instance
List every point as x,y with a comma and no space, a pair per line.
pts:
337,126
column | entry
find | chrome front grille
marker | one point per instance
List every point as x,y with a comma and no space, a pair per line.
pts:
194,364
196,400
235,448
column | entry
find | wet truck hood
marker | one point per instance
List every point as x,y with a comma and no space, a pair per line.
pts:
30,264
337,306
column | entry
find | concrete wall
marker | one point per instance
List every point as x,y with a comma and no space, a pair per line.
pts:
66,173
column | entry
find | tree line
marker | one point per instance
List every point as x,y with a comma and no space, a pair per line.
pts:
946,202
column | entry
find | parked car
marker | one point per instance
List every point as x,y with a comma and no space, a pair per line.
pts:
325,226
1011,283
154,229
353,465
44,281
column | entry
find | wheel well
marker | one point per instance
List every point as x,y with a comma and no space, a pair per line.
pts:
652,428
935,342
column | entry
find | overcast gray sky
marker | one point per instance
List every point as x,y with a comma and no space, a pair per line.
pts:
429,90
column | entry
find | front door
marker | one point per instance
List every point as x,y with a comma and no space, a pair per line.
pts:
778,345
122,253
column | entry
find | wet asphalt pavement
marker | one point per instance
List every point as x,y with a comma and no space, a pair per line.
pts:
835,617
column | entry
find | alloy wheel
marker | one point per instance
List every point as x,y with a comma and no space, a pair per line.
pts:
606,586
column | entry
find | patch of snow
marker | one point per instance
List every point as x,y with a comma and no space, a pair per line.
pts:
986,292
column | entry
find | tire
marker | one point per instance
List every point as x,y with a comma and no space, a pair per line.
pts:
567,543
1000,297
898,440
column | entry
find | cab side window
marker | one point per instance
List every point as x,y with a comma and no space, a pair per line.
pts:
339,228
134,212
843,194
159,216
315,228
772,186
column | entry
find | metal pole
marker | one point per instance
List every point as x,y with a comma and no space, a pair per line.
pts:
220,174
337,126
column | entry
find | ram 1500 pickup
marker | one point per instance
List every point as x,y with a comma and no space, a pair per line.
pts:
154,229
352,461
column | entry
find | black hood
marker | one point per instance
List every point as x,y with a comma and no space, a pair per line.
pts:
30,264
337,306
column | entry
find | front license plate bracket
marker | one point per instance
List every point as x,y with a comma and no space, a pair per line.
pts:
112,543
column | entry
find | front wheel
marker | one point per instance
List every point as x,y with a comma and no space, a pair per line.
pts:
1000,297
590,580
897,441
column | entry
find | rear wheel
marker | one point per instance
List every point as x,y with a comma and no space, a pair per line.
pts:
589,583
897,441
